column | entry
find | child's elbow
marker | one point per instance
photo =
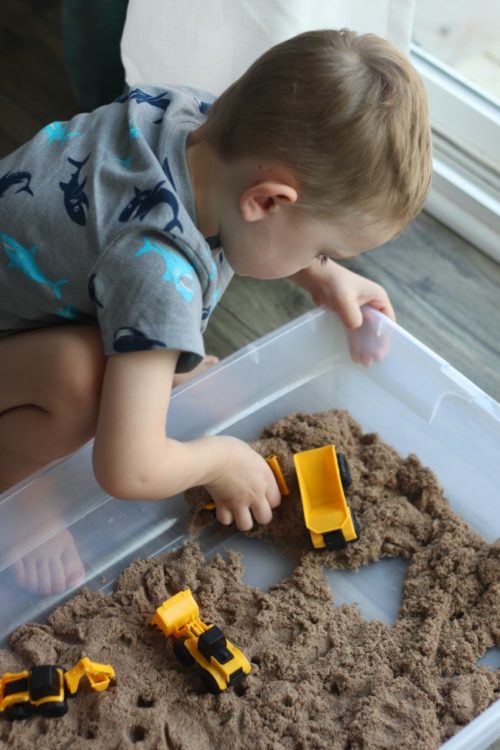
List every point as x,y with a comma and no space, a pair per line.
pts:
124,481
113,483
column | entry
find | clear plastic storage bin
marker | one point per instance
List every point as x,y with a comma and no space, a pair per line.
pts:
414,399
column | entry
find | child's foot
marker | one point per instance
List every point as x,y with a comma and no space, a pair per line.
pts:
52,567
208,361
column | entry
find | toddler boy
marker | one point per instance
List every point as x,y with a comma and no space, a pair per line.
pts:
120,230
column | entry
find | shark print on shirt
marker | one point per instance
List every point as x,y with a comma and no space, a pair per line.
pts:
75,198
98,222
141,97
58,131
9,179
24,260
145,200
177,270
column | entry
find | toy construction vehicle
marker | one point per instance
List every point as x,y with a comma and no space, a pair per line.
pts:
44,688
222,665
324,476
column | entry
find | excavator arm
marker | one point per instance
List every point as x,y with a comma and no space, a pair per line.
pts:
98,675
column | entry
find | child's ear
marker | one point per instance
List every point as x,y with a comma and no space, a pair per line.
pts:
258,201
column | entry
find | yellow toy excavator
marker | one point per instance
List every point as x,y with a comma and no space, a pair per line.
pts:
44,688
222,665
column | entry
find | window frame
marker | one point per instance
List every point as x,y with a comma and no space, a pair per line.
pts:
466,154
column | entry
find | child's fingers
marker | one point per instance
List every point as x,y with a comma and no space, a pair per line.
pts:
350,313
273,494
224,516
243,518
262,512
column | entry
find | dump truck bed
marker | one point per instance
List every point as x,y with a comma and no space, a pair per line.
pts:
323,501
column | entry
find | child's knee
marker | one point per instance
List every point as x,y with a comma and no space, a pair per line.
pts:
77,386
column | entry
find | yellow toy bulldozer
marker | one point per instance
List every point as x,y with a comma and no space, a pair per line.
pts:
222,665
44,688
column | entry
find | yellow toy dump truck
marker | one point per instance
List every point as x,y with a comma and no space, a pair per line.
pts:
44,688
222,665
324,476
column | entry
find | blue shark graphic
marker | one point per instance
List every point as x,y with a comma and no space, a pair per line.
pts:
145,200
141,97
70,312
177,270
212,274
133,340
58,131
75,198
127,161
134,134
24,259
15,178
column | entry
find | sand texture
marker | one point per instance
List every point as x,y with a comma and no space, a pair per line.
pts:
322,676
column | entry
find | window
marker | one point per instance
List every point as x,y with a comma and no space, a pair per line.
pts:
456,48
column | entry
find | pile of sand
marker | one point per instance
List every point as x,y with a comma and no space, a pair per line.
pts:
322,676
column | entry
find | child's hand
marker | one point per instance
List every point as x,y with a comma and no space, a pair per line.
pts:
345,292
371,342
246,490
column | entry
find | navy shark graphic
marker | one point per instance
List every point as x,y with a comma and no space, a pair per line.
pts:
91,290
75,198
133,340
15,178
141,97
145,200
166,168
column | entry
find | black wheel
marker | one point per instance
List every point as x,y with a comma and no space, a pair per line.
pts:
334,540
182,654
344,471
54,710
18,711
357,527
210,682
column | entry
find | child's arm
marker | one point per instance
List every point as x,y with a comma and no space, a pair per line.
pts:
134,459
343,291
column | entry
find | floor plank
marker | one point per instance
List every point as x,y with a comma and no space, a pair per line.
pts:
445,292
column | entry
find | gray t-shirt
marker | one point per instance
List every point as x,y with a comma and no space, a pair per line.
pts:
97,222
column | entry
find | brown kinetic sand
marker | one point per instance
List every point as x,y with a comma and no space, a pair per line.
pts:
323,676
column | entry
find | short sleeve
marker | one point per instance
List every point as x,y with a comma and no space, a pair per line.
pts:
148,296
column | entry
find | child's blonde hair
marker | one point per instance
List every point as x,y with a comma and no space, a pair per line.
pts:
347,113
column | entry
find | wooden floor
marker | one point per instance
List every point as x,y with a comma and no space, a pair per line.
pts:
445,292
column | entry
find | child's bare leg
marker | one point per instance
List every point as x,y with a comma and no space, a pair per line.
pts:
50,381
